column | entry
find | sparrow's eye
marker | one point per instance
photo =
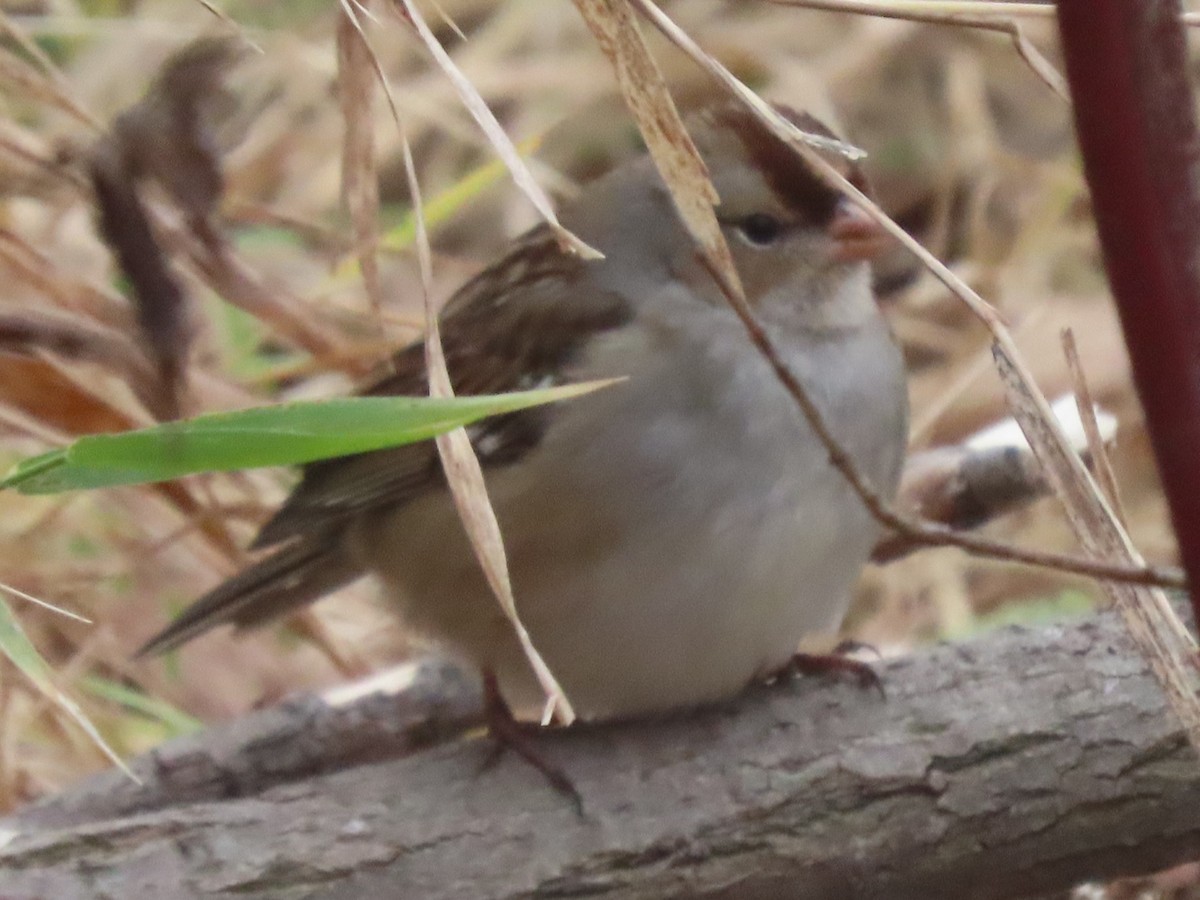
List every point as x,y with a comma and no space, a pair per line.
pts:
760,229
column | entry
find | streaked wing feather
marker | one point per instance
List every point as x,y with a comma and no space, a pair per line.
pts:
291,577
516,325
512,327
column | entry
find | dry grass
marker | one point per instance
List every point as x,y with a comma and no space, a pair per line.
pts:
969,149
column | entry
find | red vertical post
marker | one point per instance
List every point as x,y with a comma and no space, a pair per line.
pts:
1126,61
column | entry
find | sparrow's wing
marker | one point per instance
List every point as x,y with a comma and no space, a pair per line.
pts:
515,326
292,576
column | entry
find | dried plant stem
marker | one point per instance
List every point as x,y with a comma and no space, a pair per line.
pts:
645,91
1159,634
964,15
1101,463
56,85
360,182
464,474
932,534
486,120
949,9
229,276
58,610
231,23
459,460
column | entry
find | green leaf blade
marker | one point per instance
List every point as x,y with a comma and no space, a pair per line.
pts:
282,435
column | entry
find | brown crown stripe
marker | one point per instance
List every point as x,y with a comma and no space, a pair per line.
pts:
792,179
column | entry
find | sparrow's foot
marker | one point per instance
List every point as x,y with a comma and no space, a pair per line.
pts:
837,664
509,734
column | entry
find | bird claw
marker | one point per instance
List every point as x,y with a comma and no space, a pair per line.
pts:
837,664
507,733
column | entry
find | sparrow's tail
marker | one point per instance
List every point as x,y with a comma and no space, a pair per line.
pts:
291,577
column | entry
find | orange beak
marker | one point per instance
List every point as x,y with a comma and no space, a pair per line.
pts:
856,236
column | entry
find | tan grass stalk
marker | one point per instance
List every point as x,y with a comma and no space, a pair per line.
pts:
963,15
464,475
678,161
495,134
50,83
44,604
1097,449
360,180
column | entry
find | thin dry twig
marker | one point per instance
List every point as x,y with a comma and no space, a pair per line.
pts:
495,134
1101,463
231,23
929,533
963,15
11,143
55,86
360,183
326,238
646,94
1152,622
44,604
273,304
75,337
463,473
40,272
775,123
981,478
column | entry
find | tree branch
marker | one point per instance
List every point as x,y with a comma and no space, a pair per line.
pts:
387,716
1012,766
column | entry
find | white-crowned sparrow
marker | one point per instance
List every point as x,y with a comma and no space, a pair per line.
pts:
670,538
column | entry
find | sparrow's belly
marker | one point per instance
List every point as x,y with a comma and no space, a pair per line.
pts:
688,605
676,608
660,558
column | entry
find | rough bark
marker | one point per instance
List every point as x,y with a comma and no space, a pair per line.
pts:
391,715
1012,766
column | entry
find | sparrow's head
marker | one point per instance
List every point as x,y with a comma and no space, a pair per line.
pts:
798,244
799,247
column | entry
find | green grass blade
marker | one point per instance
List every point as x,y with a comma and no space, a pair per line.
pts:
174,720
20,651
34,468
286,434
